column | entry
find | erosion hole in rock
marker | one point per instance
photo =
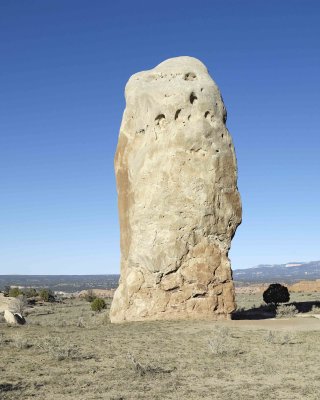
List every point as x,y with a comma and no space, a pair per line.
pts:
159,118
190,76
176,115
199,295
193,98
207,114
224,116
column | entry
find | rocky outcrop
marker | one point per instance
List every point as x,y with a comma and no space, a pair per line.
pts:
178,201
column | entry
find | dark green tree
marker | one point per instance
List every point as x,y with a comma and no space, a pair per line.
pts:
276,293
47,295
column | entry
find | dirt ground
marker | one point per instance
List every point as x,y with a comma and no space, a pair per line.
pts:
66,351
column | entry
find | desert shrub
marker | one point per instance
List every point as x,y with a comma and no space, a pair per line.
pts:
276,293
286,311
270,337
30,292
20,304
14,292
20,342
281,338
80,323
222,344
90,296
315,309
59,349
47,295
98,304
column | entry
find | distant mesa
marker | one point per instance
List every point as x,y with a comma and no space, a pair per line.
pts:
179,205
293,264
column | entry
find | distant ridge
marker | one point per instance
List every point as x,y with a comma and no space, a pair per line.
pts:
289,264
290,272
63,283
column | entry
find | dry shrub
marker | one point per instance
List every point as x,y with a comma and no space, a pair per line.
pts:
282,338
58,349
286,311
80,323
316,309
20,342
222,343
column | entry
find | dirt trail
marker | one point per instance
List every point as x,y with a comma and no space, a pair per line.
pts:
291,324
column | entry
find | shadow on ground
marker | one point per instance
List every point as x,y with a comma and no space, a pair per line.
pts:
269,311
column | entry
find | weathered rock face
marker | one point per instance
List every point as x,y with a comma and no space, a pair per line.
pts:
178,201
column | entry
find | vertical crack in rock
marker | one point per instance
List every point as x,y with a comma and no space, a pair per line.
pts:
179,205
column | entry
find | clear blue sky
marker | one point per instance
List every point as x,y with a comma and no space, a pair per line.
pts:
63,68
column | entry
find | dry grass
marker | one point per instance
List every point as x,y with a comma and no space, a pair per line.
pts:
68,352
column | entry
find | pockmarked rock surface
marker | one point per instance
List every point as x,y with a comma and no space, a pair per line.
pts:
178,201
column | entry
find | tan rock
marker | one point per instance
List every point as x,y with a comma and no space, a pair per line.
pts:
178,201
13,318
171,281
9,317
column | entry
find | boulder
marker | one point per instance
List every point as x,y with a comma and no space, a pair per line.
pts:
178,201
13,318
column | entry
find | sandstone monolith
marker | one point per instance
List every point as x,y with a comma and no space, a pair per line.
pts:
178,201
